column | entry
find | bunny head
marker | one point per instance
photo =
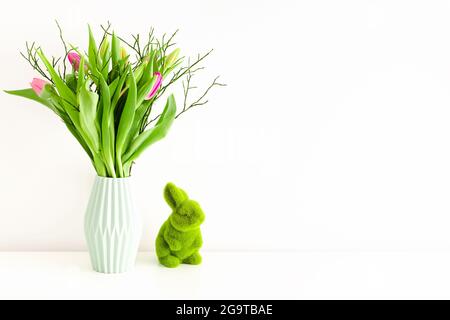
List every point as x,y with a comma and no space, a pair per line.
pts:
187,214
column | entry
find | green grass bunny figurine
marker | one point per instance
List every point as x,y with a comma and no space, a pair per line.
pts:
179,238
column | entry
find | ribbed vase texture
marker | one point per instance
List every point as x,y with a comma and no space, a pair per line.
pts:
112,226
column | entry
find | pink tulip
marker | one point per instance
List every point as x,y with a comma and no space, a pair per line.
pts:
74,59
156,86
38,85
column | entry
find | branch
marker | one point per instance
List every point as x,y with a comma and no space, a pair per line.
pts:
136,45
154,119
183,71
66,51
33,60
200,100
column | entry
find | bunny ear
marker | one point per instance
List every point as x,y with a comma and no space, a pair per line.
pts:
174,196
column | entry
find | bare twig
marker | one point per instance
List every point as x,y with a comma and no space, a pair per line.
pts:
32,58
136,45
186,89
154,119
201,99
183,71
66,50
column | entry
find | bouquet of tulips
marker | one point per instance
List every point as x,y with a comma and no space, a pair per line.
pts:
106,96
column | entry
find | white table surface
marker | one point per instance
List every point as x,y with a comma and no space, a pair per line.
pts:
231,275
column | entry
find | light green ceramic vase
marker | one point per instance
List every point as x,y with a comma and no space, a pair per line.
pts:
112,227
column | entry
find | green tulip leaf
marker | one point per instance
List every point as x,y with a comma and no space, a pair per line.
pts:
62,88
88,112
81,79
118,90
30,94
154,134
107,127
126,119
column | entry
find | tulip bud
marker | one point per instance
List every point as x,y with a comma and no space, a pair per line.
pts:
38,85
104,48
172,57
74,59
123,53
139,72
156,86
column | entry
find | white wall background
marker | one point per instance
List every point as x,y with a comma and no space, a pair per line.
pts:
333,132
